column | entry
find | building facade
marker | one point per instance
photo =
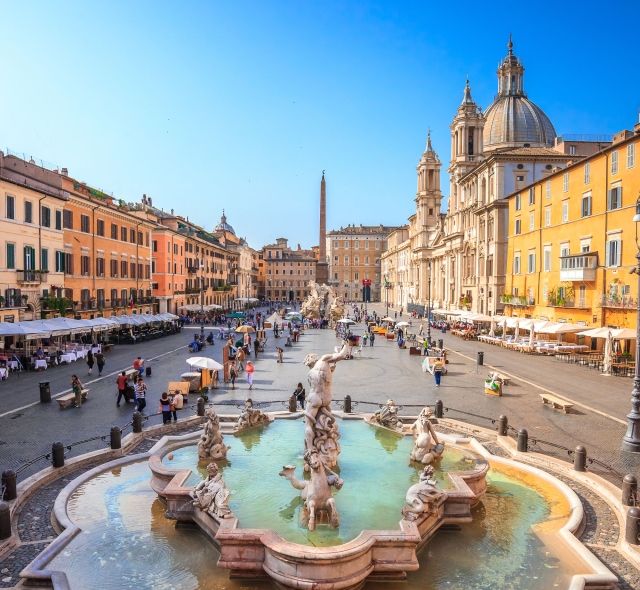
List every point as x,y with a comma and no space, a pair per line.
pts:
572,241
354,254
287,272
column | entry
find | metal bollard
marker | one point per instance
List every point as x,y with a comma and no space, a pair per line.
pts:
439,409
293,404
5,520
480,358
200,406
629,490
136,422
347,404
523,440
503,424
116,438
45,392
9,483
57,455
580,459
632,528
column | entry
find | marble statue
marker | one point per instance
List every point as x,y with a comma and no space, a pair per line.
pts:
320,296
250,417
336,311
211,444
387,416
316,492
211,494
321,431
422,497
426,446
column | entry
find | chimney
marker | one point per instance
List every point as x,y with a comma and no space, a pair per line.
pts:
64,172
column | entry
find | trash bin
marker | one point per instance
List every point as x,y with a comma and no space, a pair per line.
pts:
480,358
45,392
147,371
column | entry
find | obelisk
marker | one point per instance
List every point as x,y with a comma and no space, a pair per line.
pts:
322,267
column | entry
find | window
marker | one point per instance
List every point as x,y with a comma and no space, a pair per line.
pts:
587,173
346,260
532,196
84,265
124,269
44,259
614,162
356,276
100,227
45,217
113,269
613,252
547,189
631,155
114,231
100,267
516,264
564,249
11,256
29,258
565,211
357,246
547,216
67,221
531,262
132,235
614,200
59,261
11,207
572,150
532,221
516,229
85,224
518,202
132,268
68,263
155,245
140,239
58,219
585,208
28,212
123,234
565,182
546,262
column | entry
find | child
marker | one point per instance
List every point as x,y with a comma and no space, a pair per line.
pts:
280,352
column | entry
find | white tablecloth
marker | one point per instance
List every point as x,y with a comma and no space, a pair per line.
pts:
3,373
96,349
81,354
13,365
41,364
68,357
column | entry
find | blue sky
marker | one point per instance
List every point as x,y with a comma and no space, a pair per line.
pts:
241,105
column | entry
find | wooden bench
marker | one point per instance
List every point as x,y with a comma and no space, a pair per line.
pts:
556,402
68,400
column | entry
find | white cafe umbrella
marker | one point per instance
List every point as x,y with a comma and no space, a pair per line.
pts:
492,329
607,361
517,332
402,324
388,319
203,362
532,335
346,321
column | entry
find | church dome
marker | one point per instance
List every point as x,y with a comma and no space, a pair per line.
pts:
513,120
223,226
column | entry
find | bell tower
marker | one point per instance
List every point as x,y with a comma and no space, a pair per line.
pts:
428,195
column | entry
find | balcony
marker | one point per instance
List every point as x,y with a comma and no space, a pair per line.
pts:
518,300
571,303
618,302
579,267
32,276
192,270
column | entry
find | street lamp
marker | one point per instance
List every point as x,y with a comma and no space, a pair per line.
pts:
202,298
387,286
631,440
429,302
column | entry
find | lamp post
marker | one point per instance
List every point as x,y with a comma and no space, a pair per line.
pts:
386,293
631,440
202,298
429,302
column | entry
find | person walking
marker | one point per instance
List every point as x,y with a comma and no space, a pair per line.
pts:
140,388
250,369
90,361
280,353
300,394
100,362
372,338
256,346
165,408
122,382
233,373
438,370
138,365
177,403
77,388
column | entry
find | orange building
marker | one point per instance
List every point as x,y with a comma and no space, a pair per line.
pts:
168,268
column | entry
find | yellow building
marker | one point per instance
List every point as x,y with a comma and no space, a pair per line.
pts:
572,240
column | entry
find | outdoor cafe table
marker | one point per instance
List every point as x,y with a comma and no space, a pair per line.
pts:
40,364
13,365
4,373
68,357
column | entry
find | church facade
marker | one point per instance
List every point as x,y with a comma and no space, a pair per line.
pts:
457,259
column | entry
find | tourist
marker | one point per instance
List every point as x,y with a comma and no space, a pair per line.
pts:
77,388
100,362
165,408
90,361
300,395
280,353
233,373
177,403
138,365
140,389
40,353
122,382
256,346
372,338
438,370
250,369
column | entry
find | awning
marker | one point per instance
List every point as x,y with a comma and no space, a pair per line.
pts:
27,332
617,333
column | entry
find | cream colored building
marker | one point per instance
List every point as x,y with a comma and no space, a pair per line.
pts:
287,272
32,251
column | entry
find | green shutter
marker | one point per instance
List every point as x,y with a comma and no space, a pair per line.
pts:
11,256
44,259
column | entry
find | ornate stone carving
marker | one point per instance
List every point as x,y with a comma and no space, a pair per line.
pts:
316,492
211,444
387,416
422,497
426,446
321,431
250,417
211,495
336,311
